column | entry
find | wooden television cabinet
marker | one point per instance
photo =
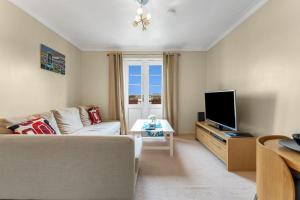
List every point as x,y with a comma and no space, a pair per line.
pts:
239,154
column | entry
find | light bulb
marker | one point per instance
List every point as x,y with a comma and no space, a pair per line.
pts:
137,18
148,16
139,11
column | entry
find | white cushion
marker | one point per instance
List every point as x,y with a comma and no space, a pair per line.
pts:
68,120
84,115
102,129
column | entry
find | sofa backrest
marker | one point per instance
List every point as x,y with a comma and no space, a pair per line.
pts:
63,121
4,123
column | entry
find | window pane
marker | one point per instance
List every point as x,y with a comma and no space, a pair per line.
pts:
155,69
155,80
154,99
155,90
135,70
155,94
134,99
135,80
134,90
135,96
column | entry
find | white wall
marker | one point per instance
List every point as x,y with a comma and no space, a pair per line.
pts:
25,88
192,80
94,78
94,89
261,60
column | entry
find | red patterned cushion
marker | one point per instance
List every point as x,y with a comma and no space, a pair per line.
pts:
33,127
95,116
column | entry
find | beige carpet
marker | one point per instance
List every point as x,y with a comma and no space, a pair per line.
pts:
192,174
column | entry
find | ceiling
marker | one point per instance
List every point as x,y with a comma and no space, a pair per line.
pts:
107,24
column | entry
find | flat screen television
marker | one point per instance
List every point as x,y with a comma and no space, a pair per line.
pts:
220,108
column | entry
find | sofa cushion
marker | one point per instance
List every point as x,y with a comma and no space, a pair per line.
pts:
95,115
68,120
51,119
102,129
33,127
84,115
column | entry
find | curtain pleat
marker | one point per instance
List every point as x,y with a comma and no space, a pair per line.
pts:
116,90
170,103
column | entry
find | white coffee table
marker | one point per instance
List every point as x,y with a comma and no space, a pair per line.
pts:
166,128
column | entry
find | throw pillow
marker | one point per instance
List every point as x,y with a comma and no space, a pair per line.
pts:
84,115
49,116
68,120
33,127
95,115
4,123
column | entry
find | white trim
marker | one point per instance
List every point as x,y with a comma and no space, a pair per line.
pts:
141,59
144,49
248,12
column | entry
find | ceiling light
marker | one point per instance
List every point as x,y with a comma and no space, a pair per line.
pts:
137,18
140,11
142,18
149,16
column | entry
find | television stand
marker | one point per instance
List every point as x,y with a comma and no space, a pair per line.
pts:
238,153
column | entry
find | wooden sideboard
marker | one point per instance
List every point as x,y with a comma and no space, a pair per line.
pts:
275,168
237,153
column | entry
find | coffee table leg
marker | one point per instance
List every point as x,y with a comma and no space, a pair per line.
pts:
171,145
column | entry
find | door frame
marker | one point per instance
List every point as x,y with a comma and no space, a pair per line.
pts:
144,83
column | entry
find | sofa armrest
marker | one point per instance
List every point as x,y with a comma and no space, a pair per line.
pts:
66,167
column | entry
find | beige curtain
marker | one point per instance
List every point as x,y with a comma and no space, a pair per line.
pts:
116,90
170,103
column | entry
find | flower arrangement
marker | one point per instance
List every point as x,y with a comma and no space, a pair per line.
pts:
153,118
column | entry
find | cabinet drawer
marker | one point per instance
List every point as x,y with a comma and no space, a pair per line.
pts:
217,143
212,143
201,134
220,151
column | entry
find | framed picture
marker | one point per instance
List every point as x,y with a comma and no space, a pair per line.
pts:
52,60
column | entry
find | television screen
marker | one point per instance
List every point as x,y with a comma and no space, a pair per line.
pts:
220,108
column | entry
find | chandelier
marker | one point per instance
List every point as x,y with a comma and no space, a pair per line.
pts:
142,18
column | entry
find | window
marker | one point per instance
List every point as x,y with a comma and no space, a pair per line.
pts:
143,83
135,84
155,84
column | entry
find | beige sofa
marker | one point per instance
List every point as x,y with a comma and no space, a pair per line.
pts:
84,164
